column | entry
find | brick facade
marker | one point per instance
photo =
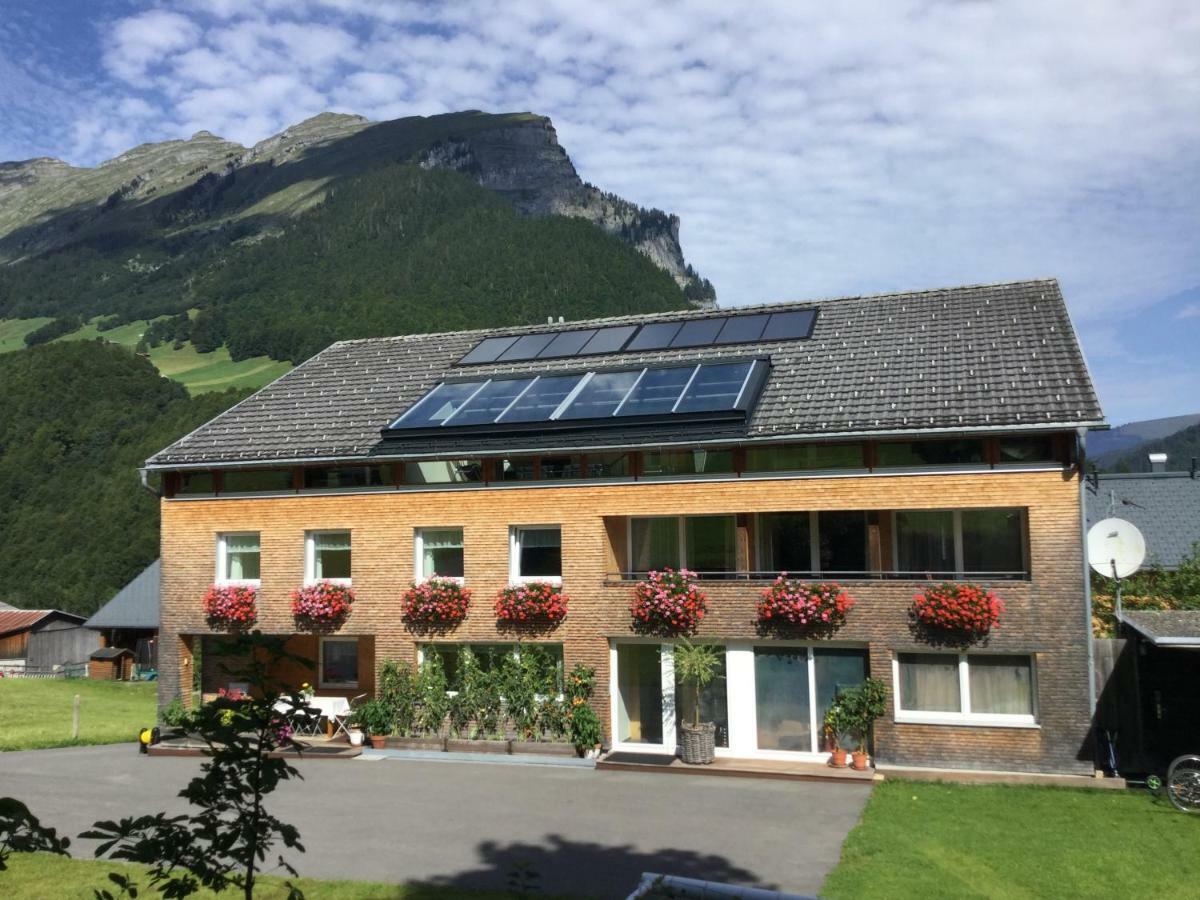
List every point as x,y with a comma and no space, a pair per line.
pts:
1045,616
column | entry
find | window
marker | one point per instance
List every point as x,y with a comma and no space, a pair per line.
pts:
238,558
948,543
704,544
784,542
339,662
196,483
843,542
328,555
347,477
443,471
930,453
439,551
547,658
686,462
965,688
797,457
536,554
1037,448
253,481
714,704
546,468
608,465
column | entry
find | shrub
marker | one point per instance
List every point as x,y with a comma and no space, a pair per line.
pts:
431,688
400,692
585,728
537,601
322,605
668,603
435,600
964,608
796,603
374,717
859,707
231,606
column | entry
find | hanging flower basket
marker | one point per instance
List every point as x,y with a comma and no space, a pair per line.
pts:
231,606
435,601
537,601
323,605
668,603
962,608
788,602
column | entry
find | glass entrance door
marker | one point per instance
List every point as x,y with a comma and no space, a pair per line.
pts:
783,704
639,694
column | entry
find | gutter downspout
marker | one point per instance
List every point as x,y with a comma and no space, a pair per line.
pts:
144,475
1081,453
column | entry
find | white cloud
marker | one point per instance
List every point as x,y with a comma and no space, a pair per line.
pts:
1190,311
141,42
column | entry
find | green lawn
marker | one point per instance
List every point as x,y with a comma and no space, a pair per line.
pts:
36,876
930,840
36,712
13,331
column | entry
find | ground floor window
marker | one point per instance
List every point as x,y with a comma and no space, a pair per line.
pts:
767,699
339,662
492,656
972,688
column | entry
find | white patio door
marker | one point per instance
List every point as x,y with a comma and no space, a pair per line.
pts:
642,686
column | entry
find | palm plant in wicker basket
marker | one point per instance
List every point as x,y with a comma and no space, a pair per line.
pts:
696,666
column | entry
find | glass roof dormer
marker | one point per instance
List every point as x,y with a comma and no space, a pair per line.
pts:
705,390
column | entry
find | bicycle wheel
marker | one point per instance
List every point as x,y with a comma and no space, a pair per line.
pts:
1183,783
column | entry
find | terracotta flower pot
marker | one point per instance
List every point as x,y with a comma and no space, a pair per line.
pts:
378,741
837,758
859,760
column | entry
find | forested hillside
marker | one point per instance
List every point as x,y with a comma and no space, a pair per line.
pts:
76,421
1180,447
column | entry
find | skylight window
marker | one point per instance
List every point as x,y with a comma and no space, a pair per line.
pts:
710,389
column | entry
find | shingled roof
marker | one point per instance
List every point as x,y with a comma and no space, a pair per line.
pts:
957,359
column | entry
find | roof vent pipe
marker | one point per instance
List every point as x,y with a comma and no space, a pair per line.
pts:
1158,462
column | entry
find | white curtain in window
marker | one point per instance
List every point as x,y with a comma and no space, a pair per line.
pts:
1001,685
332,554
242,557
929,682
433,541
655,544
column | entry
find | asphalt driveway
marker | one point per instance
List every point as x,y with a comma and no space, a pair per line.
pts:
584,832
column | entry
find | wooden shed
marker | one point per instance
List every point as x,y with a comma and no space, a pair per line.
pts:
43,641
111,664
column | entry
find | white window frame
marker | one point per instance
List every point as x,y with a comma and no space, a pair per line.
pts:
964,716
223,559
667,676
959,555
334,685
310,556
419,552
514,555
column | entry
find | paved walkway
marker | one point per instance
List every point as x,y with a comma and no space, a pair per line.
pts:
587,833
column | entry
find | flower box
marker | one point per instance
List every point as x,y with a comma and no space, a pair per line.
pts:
462,745
231,606
537,601
668,603
543,748
321,606
435,600
415,743
794,603
966,609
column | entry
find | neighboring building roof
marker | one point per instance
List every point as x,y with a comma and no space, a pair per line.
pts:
111,653
957,359
134,606
1165,506
23,619
6,607
1167,627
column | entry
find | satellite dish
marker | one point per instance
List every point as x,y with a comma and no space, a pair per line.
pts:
1115,548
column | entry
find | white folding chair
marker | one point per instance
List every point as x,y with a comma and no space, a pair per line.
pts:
341,724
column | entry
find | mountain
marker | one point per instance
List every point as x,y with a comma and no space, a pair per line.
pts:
1134,439
363,210
76,420
1181,448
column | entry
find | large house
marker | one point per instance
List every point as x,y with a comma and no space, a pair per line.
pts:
886,442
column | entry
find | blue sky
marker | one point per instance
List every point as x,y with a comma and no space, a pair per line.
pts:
811,149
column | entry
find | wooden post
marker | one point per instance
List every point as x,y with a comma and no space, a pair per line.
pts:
75,719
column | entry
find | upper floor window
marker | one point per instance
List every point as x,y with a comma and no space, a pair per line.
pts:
347,477
439,551
443,471
705,544
949,543
686,462
328,556
238,558
535,553
831,542
798,457
253,481
930,453
972,688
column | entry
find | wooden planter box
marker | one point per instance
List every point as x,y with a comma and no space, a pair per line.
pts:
416,743
458,745
545,748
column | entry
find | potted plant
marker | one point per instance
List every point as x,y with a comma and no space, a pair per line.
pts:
835,731
375,717
231,606
435,601
534,602
862,705
794,603
696,665
323,606
965,609
585,730
668,603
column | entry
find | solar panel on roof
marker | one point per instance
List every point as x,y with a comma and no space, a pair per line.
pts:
438,405
489,402
487,350
544,396
527,347
601,395
608,340
567,343
655,336
786,326
715,387
743,329
656,391
698,333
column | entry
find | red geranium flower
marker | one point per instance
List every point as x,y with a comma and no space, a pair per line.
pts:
231,606
537,601
966,608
